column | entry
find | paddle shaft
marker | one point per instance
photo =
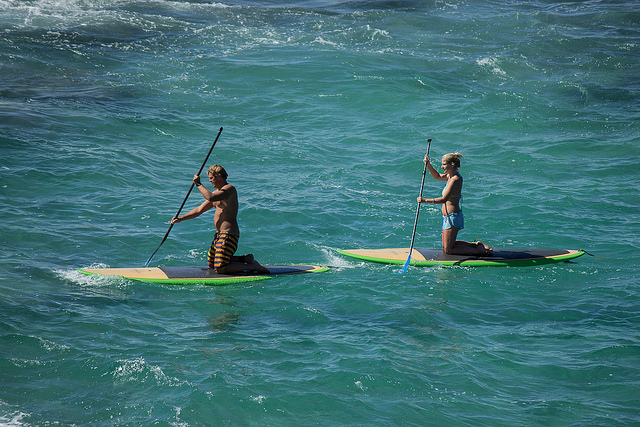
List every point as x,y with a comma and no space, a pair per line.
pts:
185,199
415,223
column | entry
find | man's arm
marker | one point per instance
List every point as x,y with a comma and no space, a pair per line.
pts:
195,212
221,194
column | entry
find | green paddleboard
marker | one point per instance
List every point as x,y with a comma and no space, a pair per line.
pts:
431,257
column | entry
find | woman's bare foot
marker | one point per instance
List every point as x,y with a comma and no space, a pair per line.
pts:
486,250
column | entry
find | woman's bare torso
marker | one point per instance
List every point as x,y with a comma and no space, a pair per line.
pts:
454,191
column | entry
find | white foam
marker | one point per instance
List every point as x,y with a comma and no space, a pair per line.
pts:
90,281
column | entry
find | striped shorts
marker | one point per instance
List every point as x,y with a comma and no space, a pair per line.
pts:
224,245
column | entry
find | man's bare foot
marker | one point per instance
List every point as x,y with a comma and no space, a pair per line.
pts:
255,266
244,259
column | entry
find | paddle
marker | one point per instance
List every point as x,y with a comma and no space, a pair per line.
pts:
185,199
415,224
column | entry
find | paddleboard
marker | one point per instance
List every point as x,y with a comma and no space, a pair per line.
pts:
430,257
198,275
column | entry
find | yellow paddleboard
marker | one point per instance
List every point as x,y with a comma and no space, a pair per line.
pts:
198,275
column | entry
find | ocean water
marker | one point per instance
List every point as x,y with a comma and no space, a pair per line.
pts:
107,109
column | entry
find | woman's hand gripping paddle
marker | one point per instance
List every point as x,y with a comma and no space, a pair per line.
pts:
185,199
415,224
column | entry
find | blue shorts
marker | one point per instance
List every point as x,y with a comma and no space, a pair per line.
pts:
454,219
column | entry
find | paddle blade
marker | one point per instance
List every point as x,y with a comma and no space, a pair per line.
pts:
146,264
406,265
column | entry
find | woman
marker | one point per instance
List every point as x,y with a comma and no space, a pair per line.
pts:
452,218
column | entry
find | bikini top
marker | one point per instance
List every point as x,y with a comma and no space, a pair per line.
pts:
445,189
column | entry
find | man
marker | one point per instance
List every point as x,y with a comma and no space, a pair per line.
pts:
225,242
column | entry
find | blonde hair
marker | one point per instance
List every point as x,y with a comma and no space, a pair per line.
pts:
218,170
453,158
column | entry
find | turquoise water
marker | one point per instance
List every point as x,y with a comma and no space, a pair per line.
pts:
107,109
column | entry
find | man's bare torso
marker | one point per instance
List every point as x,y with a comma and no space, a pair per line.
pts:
225,218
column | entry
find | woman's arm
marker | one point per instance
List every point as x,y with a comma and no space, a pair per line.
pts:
434,173
454,184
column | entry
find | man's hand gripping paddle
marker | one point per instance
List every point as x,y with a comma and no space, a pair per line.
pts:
415,224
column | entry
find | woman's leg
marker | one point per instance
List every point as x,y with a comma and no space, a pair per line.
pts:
449,239
459,247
